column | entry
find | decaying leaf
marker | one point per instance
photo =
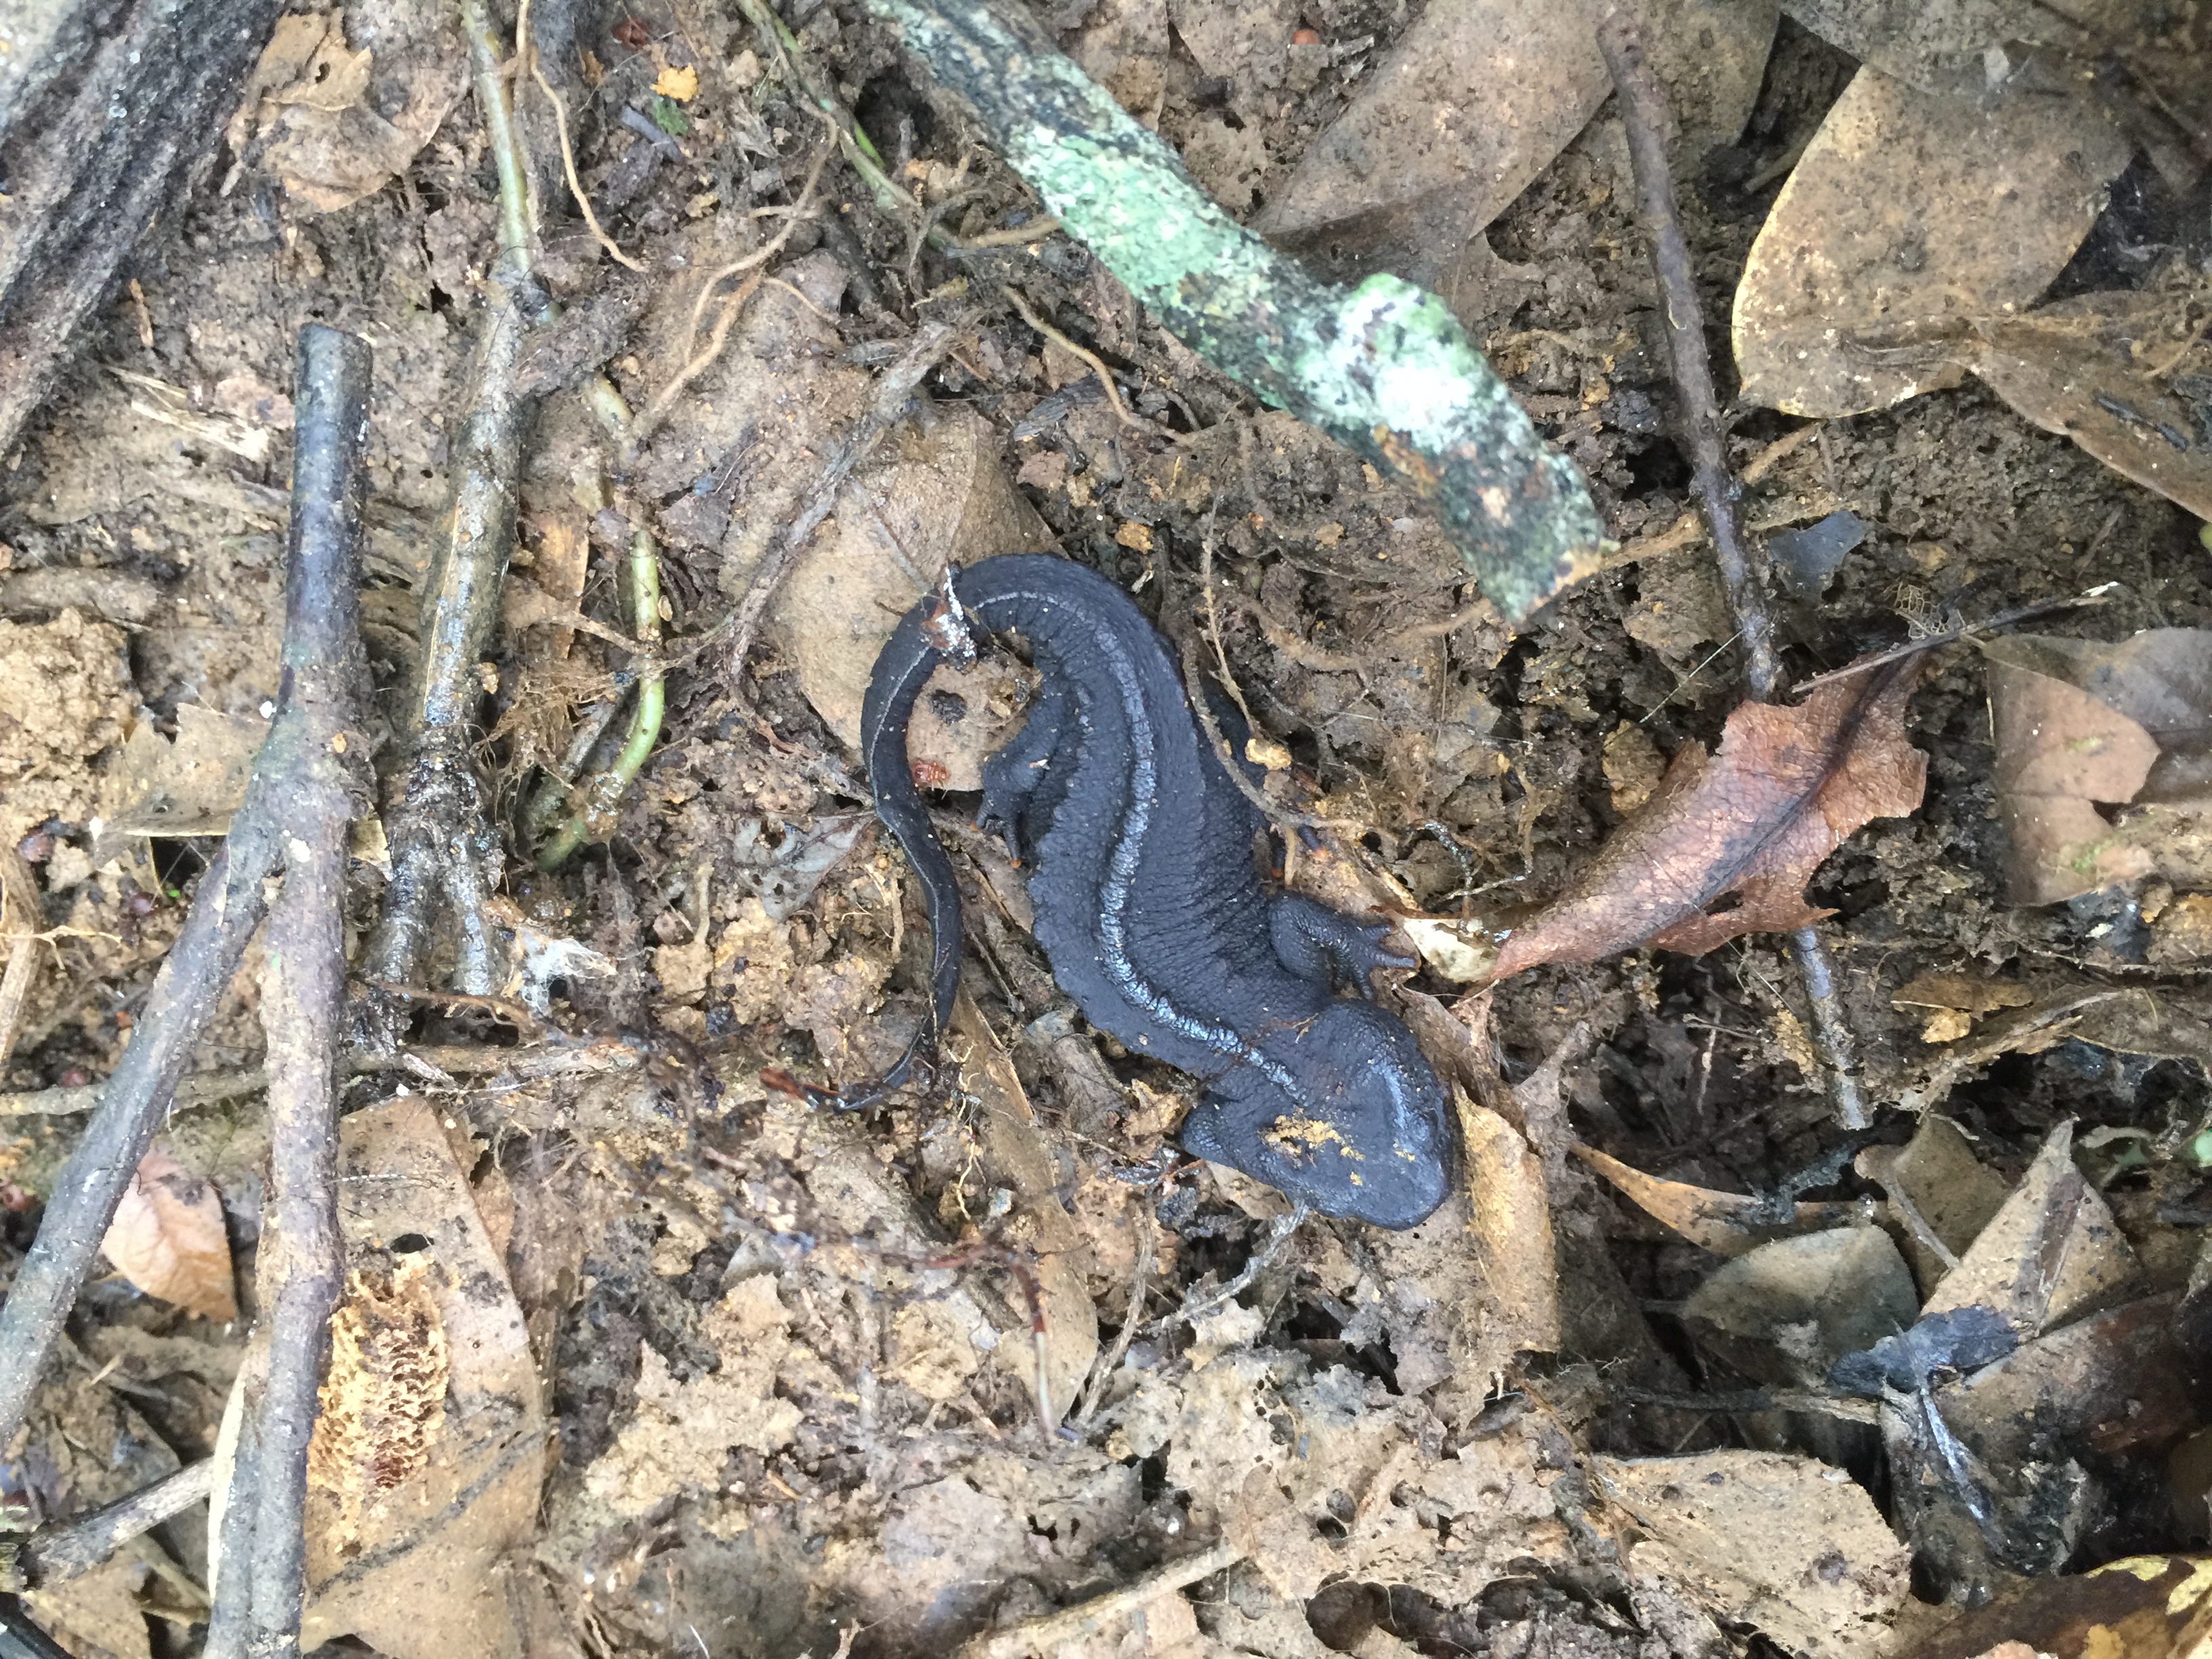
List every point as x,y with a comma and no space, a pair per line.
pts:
2080,725
168,1239
1911,217
1727,1223
2155,1607
327,139
383,1399
1941,1193
1512,1229
1754,819
2050,1254
1952,1002
896,527
403,1550
1475,100
1785,1544
2079,368
189,785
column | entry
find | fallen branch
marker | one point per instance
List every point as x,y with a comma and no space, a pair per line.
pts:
304,757
300,1266
434,823
1383,368
106,115
57,1553
1644,109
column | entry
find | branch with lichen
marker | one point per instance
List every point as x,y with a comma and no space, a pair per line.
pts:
1384,369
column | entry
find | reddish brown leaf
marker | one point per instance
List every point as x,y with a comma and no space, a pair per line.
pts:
168,1239
1753,820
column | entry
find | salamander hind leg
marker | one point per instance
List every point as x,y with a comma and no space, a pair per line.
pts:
1014,774
1322,945
1361,1130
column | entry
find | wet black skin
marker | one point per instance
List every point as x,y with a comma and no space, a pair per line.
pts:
1149,905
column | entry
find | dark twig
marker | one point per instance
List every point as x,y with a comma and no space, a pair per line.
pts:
304,988
441,842
306,742
1644,109
57,1553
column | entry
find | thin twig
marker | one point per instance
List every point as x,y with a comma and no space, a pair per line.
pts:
1278,1232
1089,358
648,420
597,803
2096,595
1643,110
1054,1633
525,49
1102,1372
67,1549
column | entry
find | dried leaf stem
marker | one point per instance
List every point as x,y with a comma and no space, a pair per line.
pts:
302,760
1643,107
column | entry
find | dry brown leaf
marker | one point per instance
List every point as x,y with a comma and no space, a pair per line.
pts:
189,785
1941,1193
1512,1229
326,140
1911,217
2077,370
2079,724
896,526
382,1405
2157,1607
1017,1157
1786,1544
1754,819
418,1578
1474,101
168,1239
2050,1254
1727,1223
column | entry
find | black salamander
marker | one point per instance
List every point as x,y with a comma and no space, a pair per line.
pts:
1149,906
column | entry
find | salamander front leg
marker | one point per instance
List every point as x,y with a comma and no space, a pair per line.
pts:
1013,775
1318,943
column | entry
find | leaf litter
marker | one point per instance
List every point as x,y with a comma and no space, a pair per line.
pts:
794,1368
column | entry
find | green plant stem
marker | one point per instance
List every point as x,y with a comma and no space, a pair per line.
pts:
597,803
484,64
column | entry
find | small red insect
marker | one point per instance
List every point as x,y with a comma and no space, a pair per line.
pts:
632,33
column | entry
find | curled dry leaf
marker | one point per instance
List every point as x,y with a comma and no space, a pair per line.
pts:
2050,1254
1727,1223
2080,725
1911,217
1754,819
168,1239
1474,101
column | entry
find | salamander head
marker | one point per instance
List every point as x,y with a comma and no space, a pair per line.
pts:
1367,1134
